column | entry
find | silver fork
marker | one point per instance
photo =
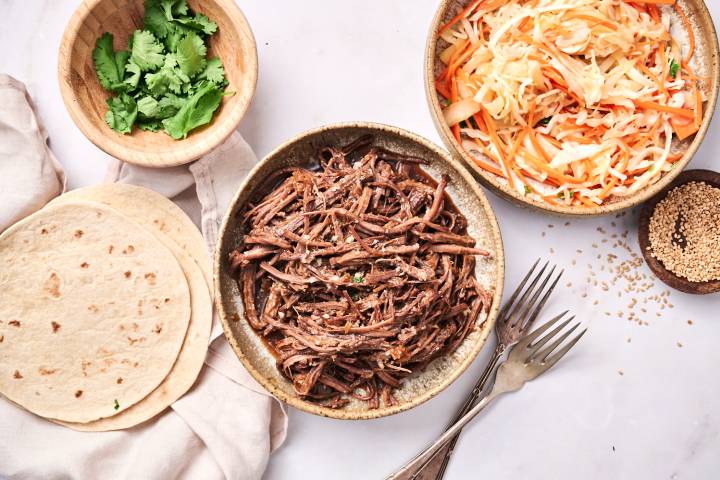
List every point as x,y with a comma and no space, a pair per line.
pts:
527,360
514,320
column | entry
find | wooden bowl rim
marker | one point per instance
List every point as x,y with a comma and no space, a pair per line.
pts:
657,267
489,323
489,180
216,133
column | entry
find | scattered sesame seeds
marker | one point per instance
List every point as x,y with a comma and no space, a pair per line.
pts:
684,232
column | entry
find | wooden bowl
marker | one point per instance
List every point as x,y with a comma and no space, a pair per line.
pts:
707,57
657,267
85,98
469,199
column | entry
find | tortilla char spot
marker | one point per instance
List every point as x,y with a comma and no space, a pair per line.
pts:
151,278
93,308
158,328
17,375
128,250
78,233
2,338
135,327
44,231
119,380
45,371
111,248
14,323
139,309
84,365
133,341
78,394
128,274
52,285
136,364
167,300
55,326
84,265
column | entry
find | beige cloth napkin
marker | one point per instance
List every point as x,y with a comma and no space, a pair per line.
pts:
225,427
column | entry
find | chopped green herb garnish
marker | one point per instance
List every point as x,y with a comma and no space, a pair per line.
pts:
463,124
164,79
544,122
561,195
358,278
674,68
117,405
528,190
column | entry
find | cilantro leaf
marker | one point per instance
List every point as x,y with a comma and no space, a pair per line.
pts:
214,72
147,53
674,68
199,22
358,278
116,405
169,77
176,33
545,121
156,22
171,8
170,104
150,125
190,54
197,111
528,190
148,107
134,79
109,65
122,113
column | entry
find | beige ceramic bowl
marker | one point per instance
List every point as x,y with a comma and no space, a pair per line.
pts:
707,62
467,196
85,98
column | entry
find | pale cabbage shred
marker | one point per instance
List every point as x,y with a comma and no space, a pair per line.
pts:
502,78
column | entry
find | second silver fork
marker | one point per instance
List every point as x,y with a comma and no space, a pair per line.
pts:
514,320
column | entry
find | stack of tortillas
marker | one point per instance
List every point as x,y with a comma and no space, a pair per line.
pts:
105,307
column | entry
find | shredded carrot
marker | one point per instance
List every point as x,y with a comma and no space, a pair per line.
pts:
688,27
680,112
467,11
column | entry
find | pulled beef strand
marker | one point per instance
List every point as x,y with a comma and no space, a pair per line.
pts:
357,274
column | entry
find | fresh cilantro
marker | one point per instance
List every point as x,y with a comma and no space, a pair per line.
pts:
122,113
164,80
148,107
146,51
134,78
169,77
463,124
156,22
197,111
200,22
214,72
561,195
109,65
528,190
116,405
150,125
545,121
190,54
358,278
674,68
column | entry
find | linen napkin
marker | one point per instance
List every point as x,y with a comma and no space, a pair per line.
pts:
226,426
30,176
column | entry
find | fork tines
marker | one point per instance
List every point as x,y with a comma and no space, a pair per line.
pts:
529,349
519,312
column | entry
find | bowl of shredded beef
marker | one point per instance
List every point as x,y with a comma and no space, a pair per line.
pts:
358,271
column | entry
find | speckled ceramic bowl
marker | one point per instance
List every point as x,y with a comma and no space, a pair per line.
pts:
706,63
467,196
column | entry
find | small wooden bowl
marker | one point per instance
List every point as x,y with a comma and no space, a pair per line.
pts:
85,98
657,267
467,196
708,57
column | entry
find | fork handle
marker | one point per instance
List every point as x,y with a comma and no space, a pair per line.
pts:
469,402
411,469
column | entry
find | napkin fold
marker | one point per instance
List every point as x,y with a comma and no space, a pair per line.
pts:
227,425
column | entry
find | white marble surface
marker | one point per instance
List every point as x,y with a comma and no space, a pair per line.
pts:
327,61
